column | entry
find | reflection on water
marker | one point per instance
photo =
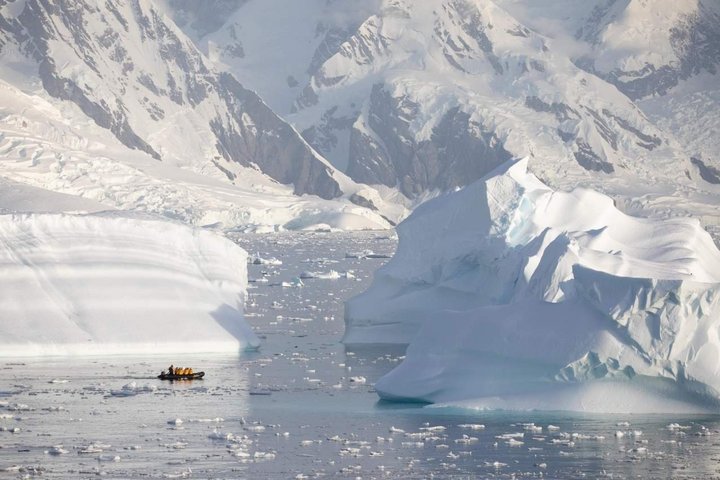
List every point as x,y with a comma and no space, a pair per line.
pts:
302,406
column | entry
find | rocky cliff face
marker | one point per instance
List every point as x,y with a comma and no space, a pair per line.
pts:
434,97
130,69
423,97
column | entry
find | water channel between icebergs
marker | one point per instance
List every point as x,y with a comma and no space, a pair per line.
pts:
299,408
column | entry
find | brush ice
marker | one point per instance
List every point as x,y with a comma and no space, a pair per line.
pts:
106,283
513,295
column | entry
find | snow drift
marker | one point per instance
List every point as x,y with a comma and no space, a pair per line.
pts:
513,295
110,284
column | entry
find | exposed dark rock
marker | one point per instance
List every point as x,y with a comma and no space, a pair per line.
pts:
458,152
646,141
695,40
276,148
589,160
361,201
707,172
561,111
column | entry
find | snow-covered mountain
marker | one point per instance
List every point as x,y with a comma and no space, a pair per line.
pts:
412,98
421,97
663,55
133,73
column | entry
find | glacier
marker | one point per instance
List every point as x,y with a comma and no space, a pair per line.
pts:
118,283
513,295
111,102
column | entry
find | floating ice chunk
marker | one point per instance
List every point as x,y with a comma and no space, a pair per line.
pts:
514,443
108,458
132,389
396,430
264,455
466,440
331,275
54,408
294,283
92,448
57,450
176,445
531,427
438,428
413,444
217,435
359,380
472,426
258,260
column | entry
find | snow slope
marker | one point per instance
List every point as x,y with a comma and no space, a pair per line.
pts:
55,147
111,101
509,291
107,283
419,98
663,55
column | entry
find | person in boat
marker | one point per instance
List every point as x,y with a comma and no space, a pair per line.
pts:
171,370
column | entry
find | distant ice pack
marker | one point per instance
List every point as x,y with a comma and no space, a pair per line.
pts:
512,295
113,283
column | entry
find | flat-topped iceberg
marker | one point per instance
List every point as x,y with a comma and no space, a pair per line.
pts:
512,295
112,284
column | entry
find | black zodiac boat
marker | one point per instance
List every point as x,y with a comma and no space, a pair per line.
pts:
181,376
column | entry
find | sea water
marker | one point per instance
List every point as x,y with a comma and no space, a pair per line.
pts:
304,407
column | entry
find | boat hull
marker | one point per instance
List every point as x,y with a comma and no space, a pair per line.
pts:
192,376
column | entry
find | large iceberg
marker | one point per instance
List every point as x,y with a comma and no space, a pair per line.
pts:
116,284
512,295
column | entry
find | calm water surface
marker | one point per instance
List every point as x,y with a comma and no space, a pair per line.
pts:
298,408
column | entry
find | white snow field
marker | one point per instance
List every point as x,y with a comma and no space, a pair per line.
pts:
49,146
512,295
108,283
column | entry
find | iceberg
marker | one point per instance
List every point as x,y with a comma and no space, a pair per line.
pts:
513,295
117,283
